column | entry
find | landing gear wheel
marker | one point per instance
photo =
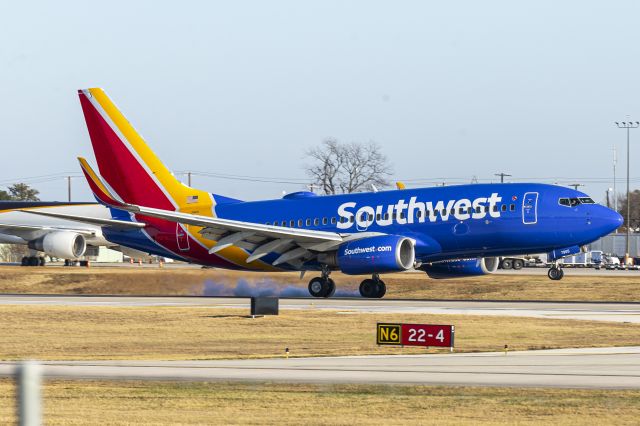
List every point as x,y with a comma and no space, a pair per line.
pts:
507,264
332,288
555,274
41,261
322,287
33,261
518,264
368,288
316,288
372,289
25,261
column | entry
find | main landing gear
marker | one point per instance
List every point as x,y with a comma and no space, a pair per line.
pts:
33,261
322,286
373,288
555,272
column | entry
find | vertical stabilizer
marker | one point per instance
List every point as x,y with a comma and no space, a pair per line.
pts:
127,164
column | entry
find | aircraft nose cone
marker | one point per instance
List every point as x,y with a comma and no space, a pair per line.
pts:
613,220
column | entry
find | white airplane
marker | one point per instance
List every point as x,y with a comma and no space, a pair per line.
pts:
46,227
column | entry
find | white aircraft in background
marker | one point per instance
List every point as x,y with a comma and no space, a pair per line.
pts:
48,227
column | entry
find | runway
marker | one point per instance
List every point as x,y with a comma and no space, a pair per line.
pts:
616,312
605,368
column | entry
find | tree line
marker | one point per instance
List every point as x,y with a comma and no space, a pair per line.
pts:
19,192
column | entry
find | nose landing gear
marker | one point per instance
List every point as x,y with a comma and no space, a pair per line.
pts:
555,273
322,286
373,288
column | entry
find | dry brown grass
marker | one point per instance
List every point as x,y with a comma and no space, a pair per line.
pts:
88,332
133,402
187,281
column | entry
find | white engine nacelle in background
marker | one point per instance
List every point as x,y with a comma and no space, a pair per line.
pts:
61,244
489,265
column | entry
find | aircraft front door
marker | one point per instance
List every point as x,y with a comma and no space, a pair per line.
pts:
530,208
182,238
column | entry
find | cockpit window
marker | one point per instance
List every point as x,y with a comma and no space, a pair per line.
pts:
572,202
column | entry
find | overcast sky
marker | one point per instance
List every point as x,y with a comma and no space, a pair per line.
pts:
448,89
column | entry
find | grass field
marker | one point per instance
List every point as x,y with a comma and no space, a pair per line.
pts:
187,281
178,333
145,403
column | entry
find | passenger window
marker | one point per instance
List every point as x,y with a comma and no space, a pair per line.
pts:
444,212
324,221
402,216
386,216
478,209
275,223
393,216
504,208
419,214
378,216
333,220
308,222
299,223
292,223
461,210
512,207
268,223
469,210
352,219
453,211
316,222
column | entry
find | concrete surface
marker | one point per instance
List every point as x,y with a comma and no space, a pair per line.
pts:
617,312
614,368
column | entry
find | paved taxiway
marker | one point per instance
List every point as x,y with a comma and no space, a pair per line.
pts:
617,312
572,368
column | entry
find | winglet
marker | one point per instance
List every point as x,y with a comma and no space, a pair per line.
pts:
99,188
400,185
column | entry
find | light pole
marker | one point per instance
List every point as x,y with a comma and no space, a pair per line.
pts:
615,194
628,125
502,175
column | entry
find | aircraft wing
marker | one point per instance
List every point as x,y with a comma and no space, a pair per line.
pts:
295,245
30,232
122,224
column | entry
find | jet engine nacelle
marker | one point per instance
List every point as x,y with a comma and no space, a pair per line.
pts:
461,267
385,253
62,244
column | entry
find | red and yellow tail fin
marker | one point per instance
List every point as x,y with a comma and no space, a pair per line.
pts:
128,166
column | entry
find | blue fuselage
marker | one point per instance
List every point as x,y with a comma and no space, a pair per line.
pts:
450,222
456,221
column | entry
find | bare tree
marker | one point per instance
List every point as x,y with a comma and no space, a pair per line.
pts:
346,168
